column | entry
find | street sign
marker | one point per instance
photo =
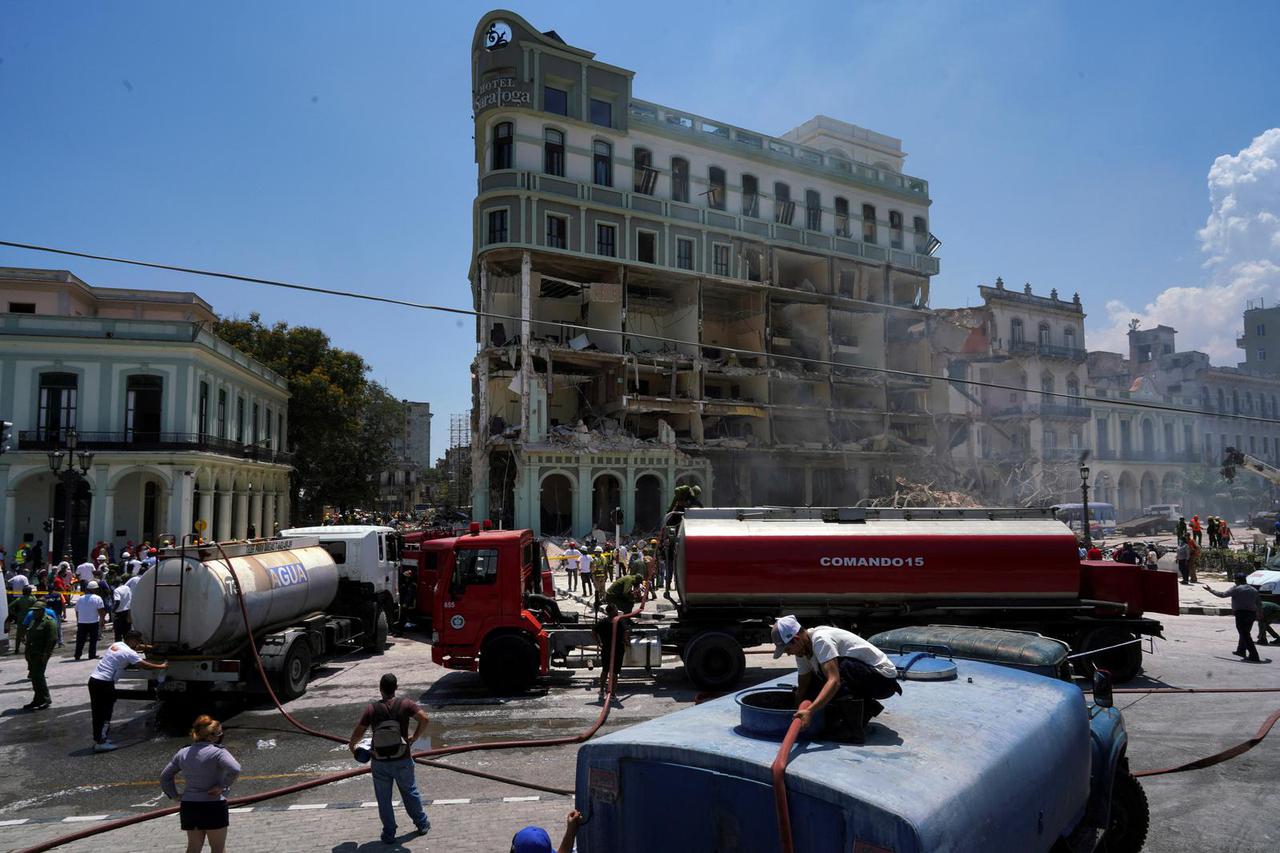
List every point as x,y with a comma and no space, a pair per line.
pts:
201,525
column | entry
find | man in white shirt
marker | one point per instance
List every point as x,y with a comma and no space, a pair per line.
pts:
84,571
121,620
132,565
19,582
102,684
584,570
571,555
839,671
91,617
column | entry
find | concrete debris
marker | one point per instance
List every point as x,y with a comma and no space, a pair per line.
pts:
907,493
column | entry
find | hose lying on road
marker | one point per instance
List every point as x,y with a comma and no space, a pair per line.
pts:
422,757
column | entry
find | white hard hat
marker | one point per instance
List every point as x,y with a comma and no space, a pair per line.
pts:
125,555
93,585
102,558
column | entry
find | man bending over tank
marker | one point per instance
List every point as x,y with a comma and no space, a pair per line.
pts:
839,671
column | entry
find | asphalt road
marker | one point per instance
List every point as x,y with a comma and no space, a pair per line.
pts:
52,772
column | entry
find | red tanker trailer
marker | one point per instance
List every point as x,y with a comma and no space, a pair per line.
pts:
865,569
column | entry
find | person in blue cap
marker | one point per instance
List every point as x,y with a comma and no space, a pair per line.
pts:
534,839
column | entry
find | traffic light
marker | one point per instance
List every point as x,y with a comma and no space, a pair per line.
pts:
6,435
616,516
48,525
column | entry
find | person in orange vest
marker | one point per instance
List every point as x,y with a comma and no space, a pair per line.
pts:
1195,528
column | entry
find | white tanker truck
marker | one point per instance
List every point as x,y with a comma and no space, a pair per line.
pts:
312,593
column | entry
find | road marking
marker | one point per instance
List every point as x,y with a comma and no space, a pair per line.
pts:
18,822
84,818
373,805
461,802
241,810
533,799
299,807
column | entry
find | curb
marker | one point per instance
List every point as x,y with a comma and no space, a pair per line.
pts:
295,807
1204,611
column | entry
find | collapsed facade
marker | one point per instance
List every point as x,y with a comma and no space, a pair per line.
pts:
668,299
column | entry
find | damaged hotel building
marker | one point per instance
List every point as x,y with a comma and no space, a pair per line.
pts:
627,253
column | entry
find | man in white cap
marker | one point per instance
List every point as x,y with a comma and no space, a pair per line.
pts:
91,618
839,671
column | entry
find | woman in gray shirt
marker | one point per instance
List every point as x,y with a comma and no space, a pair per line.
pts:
208,770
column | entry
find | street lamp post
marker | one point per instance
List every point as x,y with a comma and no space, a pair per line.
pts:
1084,489
64,465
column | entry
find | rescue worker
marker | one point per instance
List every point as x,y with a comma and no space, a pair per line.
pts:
1182,528
1224,534
42,637
624,593
1193,545
584,572
1268,615
599,574
91,620
571,555
1212,524
102,685
611,655
1184,561
1195,528
839,671
1094,552
18,612
1245,602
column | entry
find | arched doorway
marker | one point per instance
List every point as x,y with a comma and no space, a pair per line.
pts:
606,495
1148,491
81,505
648,503
1171,488
1126,497
555,502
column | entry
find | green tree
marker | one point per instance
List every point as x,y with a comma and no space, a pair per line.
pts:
341,423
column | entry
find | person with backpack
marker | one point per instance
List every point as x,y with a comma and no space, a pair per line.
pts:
390,752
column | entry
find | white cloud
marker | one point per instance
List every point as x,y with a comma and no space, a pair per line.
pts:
1242,240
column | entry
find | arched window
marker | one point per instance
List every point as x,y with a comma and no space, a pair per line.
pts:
812,210
553,152
895,229
1050,440
784,209
716,190
502,145
602,163
1047,386
1073,387
1069,338
57,405
1042,336
750,196
868,223
1222,401
679,179
645,176
1015,330
842,217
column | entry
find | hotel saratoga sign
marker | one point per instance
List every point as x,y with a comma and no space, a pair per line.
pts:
502,92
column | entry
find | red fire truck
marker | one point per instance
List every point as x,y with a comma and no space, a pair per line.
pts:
865,569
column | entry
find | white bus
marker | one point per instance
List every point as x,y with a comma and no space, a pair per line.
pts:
1102,518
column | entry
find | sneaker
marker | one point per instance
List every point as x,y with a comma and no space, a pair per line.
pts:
43,705
30,706
105,746
1238,653
425,828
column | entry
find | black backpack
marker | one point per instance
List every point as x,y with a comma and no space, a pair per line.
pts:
388,741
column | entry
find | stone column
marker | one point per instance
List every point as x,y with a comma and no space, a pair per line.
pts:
255,512
205,512
224,516
107,519
267,528
629,498
241,527
582,494
180,509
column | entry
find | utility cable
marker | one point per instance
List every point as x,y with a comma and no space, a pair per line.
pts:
493,315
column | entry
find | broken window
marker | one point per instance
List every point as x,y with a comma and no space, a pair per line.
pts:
502,145
557,231
784,209
715,188
750,196
679,179
602,163
895,229
606,240
868,223
842,217
553,152
812,210
646,247
645,176
921,229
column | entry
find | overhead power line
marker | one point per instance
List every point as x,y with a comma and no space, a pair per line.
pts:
493,315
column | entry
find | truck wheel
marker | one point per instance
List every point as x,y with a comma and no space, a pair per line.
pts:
508,664
1123,663
291,681
714,660
375,640
1130,816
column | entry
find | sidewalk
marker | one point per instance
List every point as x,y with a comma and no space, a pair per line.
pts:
471,826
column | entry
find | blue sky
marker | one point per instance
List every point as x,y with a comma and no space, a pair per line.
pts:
1067,144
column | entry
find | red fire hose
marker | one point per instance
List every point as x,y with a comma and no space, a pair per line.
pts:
421,757
779,771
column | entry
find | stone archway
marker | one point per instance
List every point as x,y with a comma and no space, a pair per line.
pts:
1126,497
648,513
606,495
555,504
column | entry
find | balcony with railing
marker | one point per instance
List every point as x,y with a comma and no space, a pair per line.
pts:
1025,347
145,440
1063,410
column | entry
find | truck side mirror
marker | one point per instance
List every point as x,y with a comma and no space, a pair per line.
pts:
1102,696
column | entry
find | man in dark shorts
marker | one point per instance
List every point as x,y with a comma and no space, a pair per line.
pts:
392,762
837,670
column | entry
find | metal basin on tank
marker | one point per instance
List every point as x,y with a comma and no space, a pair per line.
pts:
768,711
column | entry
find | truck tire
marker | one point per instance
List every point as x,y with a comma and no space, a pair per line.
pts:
375,640
508,664
1130,815
1124,663
714,660
291,680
